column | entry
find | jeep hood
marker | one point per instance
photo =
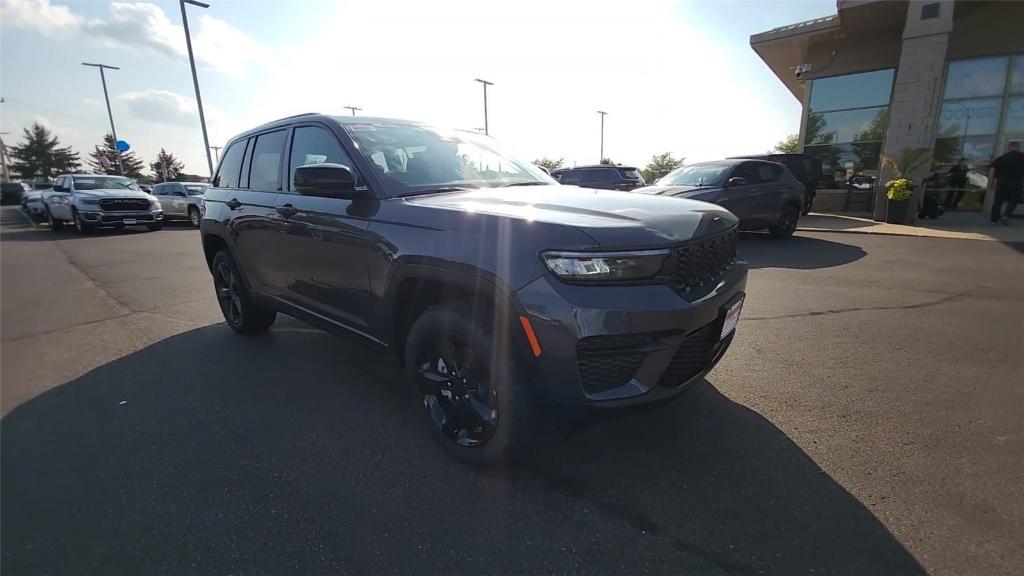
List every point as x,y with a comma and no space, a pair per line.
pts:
612,219
684,191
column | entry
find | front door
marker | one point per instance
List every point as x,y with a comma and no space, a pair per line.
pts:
742,200
176,205
325,239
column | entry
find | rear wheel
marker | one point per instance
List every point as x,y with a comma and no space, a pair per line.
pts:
193,216
241,314
474,399
808,201
786,224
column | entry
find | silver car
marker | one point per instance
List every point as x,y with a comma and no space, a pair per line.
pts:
182,200
90,201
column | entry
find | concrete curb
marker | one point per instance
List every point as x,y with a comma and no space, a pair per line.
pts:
868,230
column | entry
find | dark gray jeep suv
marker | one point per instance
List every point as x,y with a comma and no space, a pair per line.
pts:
499,289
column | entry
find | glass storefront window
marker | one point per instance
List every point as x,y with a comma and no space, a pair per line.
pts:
1014,115
851,91
979,116
846,126
979,77
1017,75
839,162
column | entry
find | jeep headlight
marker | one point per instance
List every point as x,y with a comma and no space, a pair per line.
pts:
604,266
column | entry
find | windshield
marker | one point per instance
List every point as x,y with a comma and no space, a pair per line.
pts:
104,182
413,158
695,175
195,189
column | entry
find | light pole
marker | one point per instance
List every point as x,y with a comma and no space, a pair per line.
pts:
216,153
602,134
353,109
195,79
486,84
106,97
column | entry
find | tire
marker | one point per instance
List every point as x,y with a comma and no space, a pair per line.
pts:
193,216
240,313
786,225
155,227
80,226
55,224
483,415
808,201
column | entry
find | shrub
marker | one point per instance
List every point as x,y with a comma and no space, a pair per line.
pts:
899,189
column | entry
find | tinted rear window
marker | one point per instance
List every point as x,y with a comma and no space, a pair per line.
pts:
632,174
230,165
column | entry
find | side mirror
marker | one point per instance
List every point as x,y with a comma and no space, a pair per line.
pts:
736,181
326,180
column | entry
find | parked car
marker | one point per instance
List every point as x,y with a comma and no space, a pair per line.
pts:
90,201
603,176
762,194
32,205
181,200
495,286
11,192
804,167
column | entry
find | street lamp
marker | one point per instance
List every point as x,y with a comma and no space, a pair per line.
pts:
353,109
602,134
486,84
195,79
106,97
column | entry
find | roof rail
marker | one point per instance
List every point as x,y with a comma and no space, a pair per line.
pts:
297,115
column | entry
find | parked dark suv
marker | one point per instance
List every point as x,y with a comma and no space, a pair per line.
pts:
603,176
499,289
804,167
763,195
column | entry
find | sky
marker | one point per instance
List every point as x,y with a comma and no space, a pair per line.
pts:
674,76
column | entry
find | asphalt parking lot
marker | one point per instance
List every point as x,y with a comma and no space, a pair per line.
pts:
869,419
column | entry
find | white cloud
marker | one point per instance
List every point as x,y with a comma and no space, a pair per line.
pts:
39,16
216,44
92,103
160,106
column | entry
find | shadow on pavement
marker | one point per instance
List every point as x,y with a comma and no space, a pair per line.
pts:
800,252
298,452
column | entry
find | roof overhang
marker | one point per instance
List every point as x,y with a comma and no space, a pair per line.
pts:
785,48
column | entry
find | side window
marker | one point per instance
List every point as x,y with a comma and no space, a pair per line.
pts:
570,177
747,171
313,145
265,171
158,190
606,175
230,164
179,190
767,172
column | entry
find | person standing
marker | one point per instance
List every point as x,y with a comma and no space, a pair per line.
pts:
1008,173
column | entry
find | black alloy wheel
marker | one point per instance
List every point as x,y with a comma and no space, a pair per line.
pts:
457,395
787,222
55,224
241,314
80,226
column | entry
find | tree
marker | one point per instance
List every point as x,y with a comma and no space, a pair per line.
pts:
660,165
549,163
607,161
166,167
133,165
41,157
789,145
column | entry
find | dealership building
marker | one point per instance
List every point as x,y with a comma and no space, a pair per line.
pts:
923,83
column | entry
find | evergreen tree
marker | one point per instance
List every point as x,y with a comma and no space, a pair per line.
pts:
166,167
660,165
132,164
41,157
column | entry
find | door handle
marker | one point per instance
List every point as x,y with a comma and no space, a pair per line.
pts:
287,210
234,203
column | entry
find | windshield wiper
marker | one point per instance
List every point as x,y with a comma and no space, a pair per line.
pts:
439,190
530,183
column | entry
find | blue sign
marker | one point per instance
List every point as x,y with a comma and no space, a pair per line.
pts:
123,146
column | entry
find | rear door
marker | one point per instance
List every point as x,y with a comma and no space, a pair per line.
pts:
324,239
175,195
773,191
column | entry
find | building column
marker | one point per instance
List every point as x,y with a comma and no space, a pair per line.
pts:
916,96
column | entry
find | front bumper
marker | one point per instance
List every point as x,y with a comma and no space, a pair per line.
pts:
623,345
110,218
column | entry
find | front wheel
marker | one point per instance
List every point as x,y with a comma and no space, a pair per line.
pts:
193,216
474,399
55,224
786,224
80,225
241,314
808,201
